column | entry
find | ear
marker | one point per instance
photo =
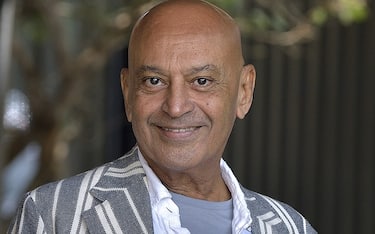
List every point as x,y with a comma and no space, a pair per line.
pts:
246,90
125,92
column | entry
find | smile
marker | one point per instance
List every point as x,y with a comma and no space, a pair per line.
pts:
179,130
179,133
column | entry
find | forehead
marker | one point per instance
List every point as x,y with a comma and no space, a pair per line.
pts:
172,52
180,42
171,40
193,32
186,13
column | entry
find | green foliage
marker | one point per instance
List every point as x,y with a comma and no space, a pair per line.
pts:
346,11
231,6
319,15
34,30
352,11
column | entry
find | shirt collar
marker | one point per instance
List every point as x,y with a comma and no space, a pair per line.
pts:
157,190
241,214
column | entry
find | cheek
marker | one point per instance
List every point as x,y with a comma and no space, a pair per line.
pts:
143,107
219,109
142,110
226,101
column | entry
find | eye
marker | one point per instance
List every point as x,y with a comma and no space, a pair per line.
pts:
202,81
153,81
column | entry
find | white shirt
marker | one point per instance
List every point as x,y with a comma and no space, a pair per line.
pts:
165,213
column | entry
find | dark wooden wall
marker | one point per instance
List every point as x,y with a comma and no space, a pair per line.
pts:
309,139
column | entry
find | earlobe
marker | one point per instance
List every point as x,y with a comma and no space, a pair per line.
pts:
125,92
246,90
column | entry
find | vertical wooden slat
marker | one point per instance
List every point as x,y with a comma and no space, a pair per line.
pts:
327,148
345,163
365,156
309,132
274,128
291,136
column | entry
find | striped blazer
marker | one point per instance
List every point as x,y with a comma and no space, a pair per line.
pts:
113,198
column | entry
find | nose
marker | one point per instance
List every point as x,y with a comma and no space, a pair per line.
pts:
178,101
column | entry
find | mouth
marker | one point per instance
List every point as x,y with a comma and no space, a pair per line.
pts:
179,133
179,130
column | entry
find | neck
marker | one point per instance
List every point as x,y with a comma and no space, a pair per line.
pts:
199,183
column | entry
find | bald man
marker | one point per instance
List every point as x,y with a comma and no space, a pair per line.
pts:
185,86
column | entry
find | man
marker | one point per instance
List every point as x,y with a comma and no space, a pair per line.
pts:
185,86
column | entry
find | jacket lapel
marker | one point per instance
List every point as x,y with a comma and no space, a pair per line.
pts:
124,205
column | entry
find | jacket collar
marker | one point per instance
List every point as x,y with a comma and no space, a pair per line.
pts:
124,203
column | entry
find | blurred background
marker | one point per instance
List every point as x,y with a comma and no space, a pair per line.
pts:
309,139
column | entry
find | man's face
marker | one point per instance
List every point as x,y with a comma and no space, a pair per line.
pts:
181,93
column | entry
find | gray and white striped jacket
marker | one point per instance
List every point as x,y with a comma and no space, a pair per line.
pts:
113,198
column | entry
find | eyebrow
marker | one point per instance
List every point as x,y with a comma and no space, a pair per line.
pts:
191,71
207,67
149,68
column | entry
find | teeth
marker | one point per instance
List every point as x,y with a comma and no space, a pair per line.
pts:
179,130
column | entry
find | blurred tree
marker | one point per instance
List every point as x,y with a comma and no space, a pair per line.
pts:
59,46
59,51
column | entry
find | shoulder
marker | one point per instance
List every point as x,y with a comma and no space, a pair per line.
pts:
259,203
76,185
268,211
62,201
83,182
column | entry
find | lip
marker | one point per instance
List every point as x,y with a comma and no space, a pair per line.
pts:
178,130
179,133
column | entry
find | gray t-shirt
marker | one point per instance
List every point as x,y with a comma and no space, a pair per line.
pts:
201,216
